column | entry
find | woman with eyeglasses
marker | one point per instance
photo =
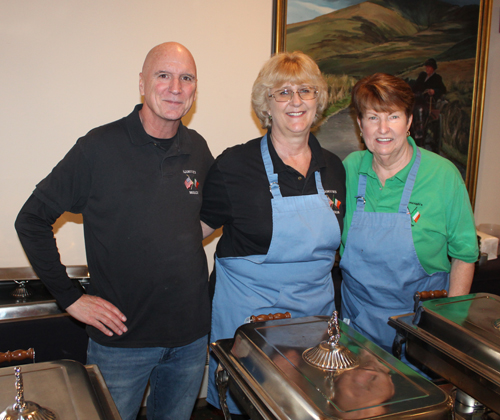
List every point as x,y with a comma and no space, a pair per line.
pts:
280,200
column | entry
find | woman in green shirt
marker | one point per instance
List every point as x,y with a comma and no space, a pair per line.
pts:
409,224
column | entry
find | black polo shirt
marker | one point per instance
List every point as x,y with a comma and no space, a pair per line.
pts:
140,205
237,194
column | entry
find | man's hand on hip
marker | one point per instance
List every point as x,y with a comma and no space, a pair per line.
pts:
99,313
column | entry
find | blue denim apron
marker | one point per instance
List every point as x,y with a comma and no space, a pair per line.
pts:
294,276
380,268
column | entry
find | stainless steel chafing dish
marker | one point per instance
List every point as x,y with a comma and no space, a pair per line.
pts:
24,277
266,369
459,339
27,273
30,316
64,390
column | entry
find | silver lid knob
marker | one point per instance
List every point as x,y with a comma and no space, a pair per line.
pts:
330,355
25,410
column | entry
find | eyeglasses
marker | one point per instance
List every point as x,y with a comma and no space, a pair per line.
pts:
285,95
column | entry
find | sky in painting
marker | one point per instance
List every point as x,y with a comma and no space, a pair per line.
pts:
301,10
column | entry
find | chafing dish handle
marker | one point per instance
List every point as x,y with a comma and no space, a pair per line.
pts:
270,317
426,295
397,345
222,381
17,355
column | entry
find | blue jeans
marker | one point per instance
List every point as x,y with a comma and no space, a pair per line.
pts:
174,374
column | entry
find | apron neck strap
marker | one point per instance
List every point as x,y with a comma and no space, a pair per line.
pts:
405,198
360,198
319,184
410,182
273,178
268,164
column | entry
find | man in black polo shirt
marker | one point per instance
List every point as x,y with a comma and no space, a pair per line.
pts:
138,183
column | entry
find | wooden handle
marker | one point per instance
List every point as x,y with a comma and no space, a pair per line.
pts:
270,317
17,355
432,294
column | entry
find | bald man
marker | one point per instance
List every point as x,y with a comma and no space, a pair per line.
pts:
138,183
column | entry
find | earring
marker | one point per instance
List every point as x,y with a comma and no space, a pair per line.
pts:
408,133
361,134
270,117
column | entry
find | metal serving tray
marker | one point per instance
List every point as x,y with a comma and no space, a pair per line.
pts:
39,302
269,376
67,388
459,339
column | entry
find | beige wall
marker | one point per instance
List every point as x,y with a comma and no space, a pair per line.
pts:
487,208
68,65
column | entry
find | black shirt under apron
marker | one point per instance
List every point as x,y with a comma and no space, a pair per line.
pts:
237,195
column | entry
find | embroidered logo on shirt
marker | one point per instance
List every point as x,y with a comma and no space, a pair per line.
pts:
415,214
190,182
332,201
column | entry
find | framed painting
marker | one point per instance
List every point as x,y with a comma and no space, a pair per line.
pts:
350,39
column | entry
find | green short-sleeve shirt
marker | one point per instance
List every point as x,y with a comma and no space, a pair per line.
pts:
442,218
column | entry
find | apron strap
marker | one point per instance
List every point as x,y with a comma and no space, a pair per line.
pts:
268,164
319,184
405,198
360,198
410,182
273,178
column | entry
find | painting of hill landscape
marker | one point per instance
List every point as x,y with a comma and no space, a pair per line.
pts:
350,39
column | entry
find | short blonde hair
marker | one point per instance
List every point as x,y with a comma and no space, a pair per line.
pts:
296,68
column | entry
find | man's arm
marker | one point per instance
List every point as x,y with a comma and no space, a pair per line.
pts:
461,276
34,228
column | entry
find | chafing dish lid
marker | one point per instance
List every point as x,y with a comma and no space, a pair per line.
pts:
62,387
271,355
466,328
23,409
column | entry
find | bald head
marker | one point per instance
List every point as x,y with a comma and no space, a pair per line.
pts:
168,84
168,49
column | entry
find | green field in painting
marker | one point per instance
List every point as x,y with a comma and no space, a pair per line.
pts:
397,36
369,37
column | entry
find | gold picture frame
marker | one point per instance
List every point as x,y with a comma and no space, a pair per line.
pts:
470,161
